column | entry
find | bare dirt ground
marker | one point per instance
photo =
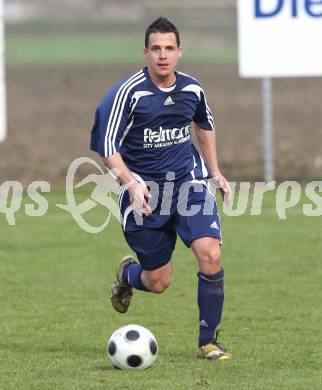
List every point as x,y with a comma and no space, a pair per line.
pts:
50,113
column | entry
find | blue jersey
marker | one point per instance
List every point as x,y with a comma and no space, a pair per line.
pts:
151,127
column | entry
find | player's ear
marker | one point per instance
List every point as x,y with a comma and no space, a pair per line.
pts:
145,52
180,51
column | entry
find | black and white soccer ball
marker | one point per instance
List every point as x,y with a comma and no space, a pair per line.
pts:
132,347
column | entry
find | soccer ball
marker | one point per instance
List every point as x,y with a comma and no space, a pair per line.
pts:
132,347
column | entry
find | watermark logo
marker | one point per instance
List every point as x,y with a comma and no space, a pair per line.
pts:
11,194
102,194
247,198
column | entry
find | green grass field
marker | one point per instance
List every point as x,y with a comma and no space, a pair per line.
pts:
55,317
99,48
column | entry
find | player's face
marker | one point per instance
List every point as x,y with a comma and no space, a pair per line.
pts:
162,56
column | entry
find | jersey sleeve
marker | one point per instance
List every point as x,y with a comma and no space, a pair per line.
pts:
111,118
203,116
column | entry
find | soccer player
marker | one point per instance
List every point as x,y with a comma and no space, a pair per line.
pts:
142,130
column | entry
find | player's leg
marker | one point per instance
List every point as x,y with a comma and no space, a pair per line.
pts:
210,287
202,232
130,274
152,272
153,241
158,280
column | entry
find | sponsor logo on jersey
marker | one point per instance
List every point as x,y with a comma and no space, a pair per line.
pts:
166,135
161,137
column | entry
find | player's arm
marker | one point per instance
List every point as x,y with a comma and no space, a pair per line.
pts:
116,164
208,146
138,193
110,123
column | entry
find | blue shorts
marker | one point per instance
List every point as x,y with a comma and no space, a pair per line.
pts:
187,208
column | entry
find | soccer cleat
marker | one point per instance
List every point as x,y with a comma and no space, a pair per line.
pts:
121,291
214,351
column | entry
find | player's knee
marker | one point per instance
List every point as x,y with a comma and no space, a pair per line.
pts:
158,286
210,260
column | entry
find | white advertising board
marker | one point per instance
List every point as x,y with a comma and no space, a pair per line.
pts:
280,38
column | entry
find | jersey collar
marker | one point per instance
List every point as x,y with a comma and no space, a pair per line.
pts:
155,87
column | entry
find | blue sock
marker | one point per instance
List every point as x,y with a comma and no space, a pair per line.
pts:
210,302
132,274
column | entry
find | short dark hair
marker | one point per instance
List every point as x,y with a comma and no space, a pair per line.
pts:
162,25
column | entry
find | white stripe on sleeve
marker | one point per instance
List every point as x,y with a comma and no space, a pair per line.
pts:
115,111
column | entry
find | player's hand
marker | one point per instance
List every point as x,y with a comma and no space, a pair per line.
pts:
222,183
139,196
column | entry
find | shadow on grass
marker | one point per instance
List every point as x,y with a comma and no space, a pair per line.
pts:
108,367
